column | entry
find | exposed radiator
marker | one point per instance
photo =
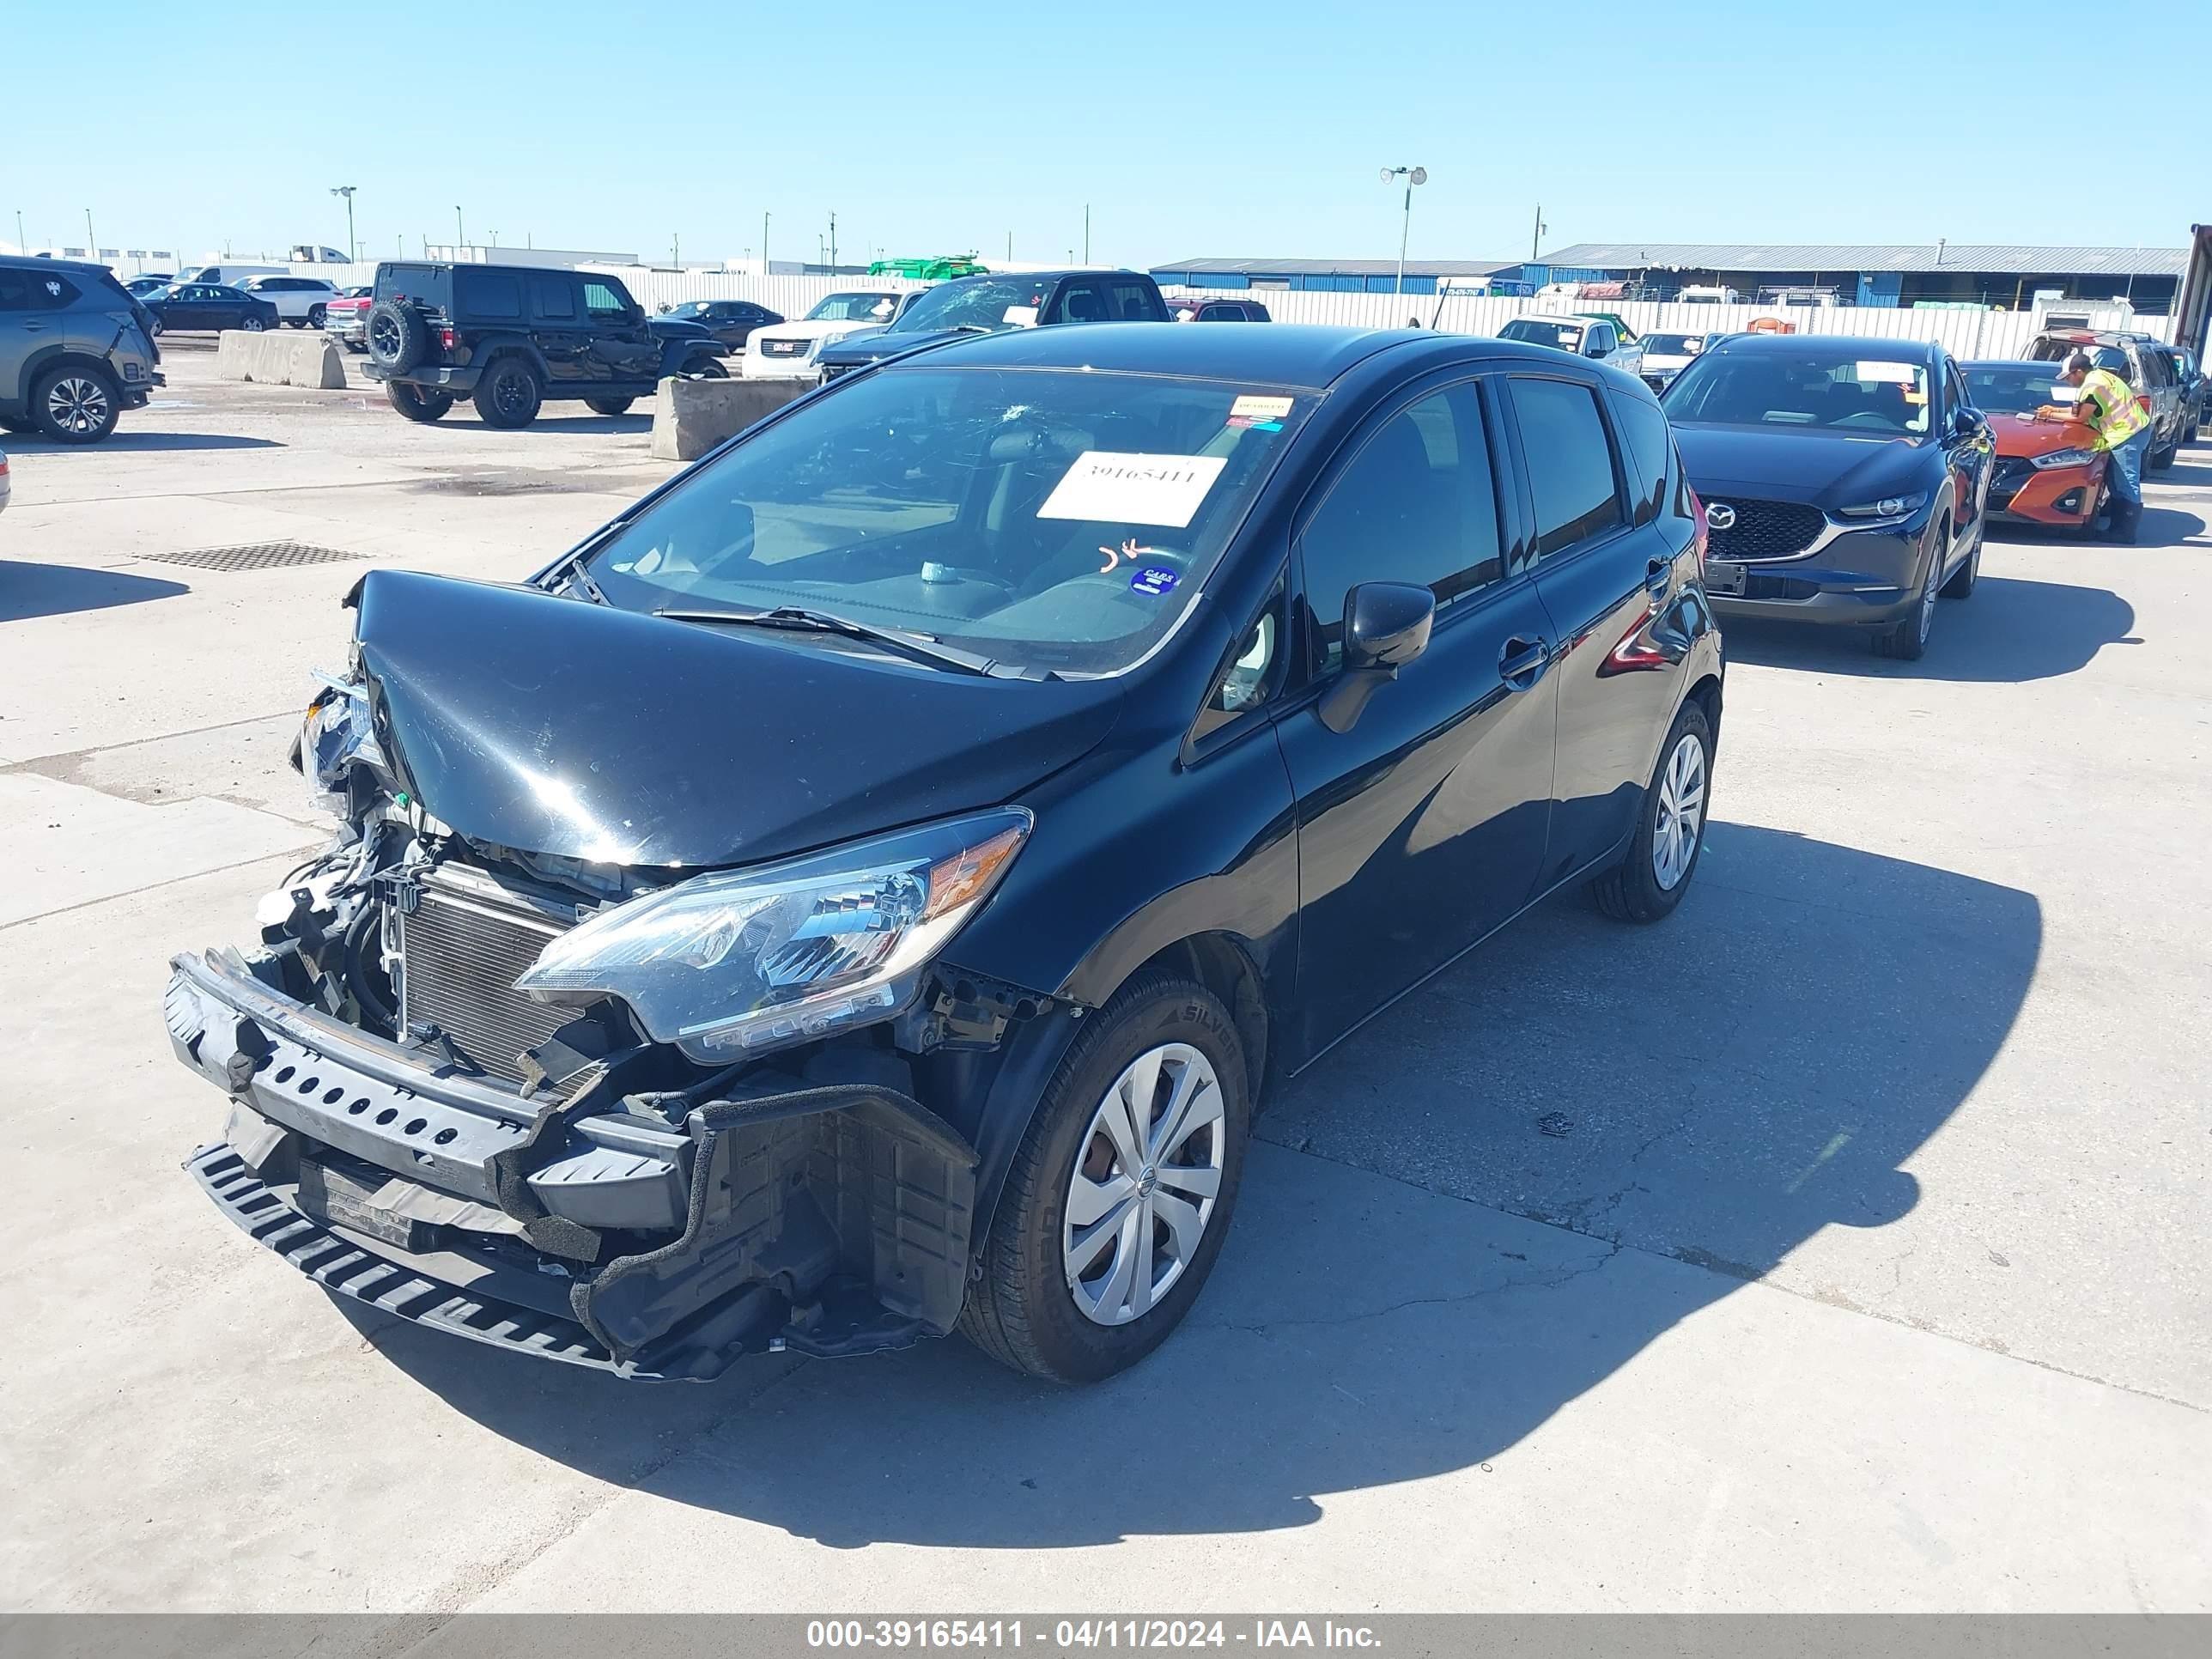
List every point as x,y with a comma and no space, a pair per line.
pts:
461,949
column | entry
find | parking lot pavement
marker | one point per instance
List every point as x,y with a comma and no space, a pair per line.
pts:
1835,1244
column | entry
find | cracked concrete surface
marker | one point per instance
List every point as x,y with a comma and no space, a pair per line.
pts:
1866,1273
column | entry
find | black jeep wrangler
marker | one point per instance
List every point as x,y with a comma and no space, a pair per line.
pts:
509,336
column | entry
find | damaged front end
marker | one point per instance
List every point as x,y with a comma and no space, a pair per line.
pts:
645,1119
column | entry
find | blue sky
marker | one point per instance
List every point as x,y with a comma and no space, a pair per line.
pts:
1193,129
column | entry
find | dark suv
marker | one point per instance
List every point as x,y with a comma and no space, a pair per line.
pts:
75,351
984,305
509,336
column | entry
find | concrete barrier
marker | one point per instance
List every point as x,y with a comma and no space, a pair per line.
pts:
689,418
279,356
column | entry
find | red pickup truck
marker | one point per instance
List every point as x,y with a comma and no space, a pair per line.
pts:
347,318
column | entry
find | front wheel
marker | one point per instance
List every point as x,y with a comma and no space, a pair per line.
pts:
1655,872
1907,640
705,368
1963,579
251,323
1118,1199
609,405
316,316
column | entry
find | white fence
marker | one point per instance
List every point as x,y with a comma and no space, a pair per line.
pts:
1967,334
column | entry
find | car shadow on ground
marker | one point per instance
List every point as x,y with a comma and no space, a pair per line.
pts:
29,590
2010,630
1642,1119
127,442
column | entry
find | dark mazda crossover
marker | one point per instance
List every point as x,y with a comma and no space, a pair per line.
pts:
1843,479
866,889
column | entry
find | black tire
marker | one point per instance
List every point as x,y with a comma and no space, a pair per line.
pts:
396,336
704,369
1962,585
1021,1310
75,405
1631,889
2159,459
416,403
508,394
609,405
251,323
1907,640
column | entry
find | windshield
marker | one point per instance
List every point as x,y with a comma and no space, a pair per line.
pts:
689,309
1567,336
1673,345
1853,393
976,302
854,309
1055,518
2013,388
2103,357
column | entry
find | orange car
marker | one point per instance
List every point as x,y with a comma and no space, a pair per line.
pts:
2047,472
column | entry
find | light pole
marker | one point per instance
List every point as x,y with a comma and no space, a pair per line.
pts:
353,249
763,245
460,236
92,252
21,246
1536,239
833,237
1412,176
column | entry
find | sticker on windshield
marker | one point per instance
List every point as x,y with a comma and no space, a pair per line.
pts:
1133,489
1020,316
1893,374
1154,581
1260,409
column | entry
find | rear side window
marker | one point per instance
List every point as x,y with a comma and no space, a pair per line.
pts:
488,293
1134,302
1650,443
1570,471
1418,504
35,290
552,299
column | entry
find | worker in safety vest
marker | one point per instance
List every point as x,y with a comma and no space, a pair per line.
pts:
2108,408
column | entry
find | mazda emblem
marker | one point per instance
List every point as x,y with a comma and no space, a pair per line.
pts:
1720,516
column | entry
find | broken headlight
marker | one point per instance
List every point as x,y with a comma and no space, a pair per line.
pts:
339,731
744,960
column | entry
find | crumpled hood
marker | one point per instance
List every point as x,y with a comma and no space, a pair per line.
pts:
552,726
1827,469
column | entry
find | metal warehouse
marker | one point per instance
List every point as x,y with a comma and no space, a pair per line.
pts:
1882,274
1346,275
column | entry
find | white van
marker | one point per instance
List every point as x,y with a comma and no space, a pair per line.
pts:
1709,296
227,274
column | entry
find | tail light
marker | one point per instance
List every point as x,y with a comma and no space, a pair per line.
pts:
1704,531
446,338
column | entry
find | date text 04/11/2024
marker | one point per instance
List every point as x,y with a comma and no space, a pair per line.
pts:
1071,1635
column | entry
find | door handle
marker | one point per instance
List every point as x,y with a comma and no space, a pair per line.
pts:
1522,660
1658,577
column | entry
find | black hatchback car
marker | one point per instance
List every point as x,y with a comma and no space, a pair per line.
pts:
864,890
1843,479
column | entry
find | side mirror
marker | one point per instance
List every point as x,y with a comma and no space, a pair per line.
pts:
1386,626
1965,420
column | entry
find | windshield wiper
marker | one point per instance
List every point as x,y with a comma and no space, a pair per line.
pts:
918,647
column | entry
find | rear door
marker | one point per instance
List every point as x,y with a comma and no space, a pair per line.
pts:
1423,827
1604,568
556,322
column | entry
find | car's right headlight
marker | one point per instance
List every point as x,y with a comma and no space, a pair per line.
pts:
743,960
2063,458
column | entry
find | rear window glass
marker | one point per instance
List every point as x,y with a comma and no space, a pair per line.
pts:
1650,444
1569,462
489,294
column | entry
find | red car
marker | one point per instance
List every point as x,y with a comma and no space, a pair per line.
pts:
347,317
2047,472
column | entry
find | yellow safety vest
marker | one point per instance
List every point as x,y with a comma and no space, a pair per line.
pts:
2119,417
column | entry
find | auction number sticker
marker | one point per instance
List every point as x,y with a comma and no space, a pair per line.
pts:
1891,374
1133,489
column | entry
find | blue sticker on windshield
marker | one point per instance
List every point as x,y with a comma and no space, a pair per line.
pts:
1153,580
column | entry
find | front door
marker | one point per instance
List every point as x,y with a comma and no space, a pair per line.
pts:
623,347
556,322
1423,827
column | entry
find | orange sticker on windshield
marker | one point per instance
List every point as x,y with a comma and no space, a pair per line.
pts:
1911,397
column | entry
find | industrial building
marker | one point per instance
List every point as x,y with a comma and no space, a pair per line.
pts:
1882,274
1850,274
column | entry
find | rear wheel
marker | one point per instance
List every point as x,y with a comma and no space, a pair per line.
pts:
1655,872
1117,1201
251,323
75,405
316,315
1907,640
609,405
417,403
508,395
